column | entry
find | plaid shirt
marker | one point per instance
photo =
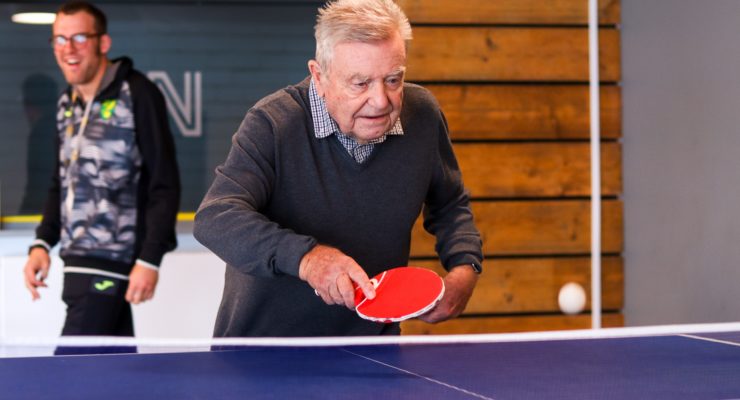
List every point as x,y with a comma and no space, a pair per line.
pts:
325,126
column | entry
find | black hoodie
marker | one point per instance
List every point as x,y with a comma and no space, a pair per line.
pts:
125,181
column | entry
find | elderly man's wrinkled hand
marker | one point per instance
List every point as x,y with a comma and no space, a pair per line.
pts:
459,285
332,273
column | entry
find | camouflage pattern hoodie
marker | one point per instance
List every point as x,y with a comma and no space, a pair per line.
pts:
116,190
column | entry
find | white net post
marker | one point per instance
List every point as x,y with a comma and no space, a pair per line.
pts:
593,53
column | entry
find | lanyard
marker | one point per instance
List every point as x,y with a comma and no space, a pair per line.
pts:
76,143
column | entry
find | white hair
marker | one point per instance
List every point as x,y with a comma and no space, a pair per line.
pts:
360,21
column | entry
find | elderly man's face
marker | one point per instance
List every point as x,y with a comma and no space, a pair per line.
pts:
364,86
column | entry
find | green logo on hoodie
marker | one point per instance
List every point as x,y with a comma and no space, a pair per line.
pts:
106,108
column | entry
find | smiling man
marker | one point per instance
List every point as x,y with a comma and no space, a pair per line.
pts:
116,188
323,184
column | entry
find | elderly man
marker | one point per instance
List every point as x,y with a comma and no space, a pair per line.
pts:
324,182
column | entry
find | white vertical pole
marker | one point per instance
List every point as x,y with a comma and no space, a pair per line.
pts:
593,61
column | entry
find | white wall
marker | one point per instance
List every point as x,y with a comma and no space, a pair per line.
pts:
184,306
681,102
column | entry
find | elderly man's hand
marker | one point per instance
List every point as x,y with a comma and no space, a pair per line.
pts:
459,285
331,273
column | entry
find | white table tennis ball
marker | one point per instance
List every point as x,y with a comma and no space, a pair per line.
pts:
572,298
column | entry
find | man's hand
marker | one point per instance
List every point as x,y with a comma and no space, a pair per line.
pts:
141,284
36,270
459,285
331,273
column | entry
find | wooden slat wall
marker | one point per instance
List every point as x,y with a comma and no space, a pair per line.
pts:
527,228
507,12
525,323
528,169
531,285
512,79
519,112
509,54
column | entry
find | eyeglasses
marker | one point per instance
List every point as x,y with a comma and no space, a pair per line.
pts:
79,39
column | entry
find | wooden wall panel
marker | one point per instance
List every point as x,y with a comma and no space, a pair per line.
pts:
506,324
507,11
552,169
532,284
525,112
511,77
521,54
536,228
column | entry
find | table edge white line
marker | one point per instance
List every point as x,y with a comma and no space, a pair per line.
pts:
708,339
445,384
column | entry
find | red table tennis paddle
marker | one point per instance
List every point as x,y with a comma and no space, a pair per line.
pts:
400,293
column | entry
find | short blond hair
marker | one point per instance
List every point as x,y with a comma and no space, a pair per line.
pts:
361,21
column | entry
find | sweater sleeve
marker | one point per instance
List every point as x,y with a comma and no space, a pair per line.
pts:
447,212
159,171
230,221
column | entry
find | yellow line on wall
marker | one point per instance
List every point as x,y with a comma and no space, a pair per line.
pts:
35,219
186,216
21,219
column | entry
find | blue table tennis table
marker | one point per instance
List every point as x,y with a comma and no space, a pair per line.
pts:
602,366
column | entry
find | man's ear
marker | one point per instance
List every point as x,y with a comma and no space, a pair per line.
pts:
317,75
105,43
